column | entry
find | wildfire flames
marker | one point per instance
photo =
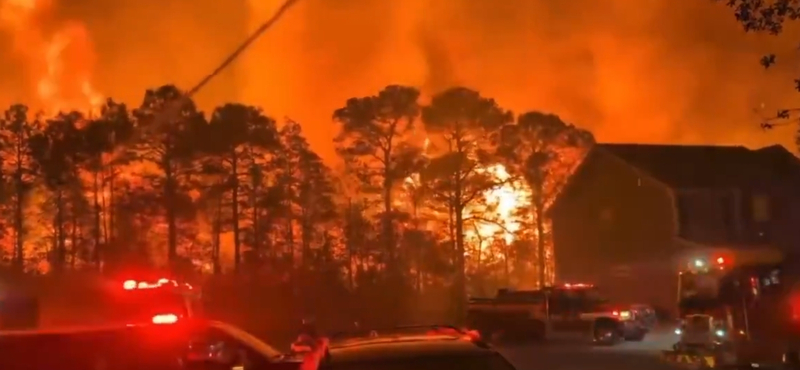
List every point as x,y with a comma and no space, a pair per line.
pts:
504,203
60,64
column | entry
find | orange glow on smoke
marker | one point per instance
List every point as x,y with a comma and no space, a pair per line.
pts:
60,64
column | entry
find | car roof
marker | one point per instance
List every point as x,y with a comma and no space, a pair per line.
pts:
411,346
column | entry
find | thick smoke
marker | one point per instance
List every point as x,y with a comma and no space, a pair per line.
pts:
655,71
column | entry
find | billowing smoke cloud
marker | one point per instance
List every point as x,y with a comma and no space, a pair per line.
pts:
655,71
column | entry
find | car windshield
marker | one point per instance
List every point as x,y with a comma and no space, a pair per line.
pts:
481,362
249,340
698,323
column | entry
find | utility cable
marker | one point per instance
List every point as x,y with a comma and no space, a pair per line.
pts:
173,110
279,13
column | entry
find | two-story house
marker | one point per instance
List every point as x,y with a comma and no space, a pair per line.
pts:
631,210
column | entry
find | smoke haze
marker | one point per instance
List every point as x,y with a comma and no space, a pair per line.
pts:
654,71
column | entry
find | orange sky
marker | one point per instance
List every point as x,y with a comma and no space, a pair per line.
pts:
666,71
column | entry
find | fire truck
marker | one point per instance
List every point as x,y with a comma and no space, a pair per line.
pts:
738,308
567,308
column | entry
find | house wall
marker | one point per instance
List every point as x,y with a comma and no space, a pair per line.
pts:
615,227
780,229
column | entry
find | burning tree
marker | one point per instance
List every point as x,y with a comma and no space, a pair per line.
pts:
534,147
16,129
57,154
240,140
168,146
105,159
374,142
458,119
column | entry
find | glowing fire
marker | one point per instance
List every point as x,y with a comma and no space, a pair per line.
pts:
503,204
499,215
60,64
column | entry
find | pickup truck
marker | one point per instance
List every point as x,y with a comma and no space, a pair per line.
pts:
568,308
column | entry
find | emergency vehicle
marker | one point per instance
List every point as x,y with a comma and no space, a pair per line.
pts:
138,300
102,302
568,308
167,342
737,308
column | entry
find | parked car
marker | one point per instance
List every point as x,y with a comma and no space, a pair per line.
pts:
646,314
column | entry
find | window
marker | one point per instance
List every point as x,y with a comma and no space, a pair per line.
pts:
761,208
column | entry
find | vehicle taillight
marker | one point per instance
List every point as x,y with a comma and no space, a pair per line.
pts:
165,319
129,285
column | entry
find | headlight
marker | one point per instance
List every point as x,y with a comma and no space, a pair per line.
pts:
720,333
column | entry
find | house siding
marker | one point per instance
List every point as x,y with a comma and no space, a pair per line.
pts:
615,226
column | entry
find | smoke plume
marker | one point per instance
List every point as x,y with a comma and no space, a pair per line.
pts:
654,71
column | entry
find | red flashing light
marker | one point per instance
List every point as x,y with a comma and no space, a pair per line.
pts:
133,284
720,260
129,285
165,319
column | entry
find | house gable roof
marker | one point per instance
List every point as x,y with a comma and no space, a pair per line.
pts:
705,166
696,166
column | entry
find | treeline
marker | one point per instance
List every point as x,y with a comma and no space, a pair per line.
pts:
415,202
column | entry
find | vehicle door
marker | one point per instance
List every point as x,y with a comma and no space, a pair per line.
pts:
108,350
233,347
564,314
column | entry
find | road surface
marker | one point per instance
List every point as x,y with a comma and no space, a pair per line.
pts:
575,354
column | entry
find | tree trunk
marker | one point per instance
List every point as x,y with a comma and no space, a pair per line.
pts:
111,232
350,243
19,251
217,230
61,247
256,220
540,242
73,240
97,220
388,224
461,278
169,202
237,251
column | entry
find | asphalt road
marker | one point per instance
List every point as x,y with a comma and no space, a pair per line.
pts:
578,354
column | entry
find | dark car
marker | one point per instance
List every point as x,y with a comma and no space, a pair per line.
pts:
646,314
166,344
417,348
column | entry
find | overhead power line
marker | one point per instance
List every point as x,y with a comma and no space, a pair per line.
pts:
172,110
279,13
